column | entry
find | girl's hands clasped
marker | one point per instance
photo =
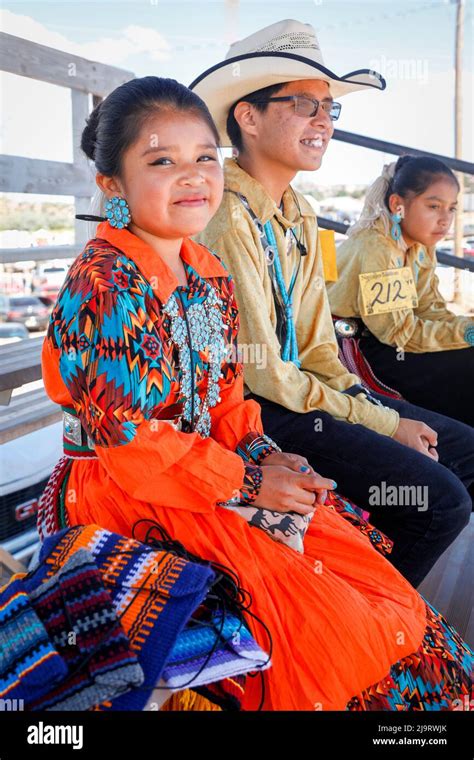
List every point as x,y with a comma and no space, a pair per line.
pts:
289,484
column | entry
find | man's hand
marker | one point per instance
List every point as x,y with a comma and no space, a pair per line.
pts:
417,436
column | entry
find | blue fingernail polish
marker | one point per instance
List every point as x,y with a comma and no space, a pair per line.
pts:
304,468
334,484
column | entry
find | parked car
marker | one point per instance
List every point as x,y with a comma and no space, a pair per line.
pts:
47,301
10,332
447,246
468,249
28,310
48,279
25,467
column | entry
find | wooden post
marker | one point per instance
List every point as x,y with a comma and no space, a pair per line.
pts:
26,175
9,566
80,113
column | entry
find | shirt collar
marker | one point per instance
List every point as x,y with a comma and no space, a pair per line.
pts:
261,203
161,278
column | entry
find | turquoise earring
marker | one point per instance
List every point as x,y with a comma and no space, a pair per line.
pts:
117,212
396,230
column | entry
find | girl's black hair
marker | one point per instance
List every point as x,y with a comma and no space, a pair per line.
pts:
414,174
232,126
114,125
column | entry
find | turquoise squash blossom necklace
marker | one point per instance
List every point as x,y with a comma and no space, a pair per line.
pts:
201,328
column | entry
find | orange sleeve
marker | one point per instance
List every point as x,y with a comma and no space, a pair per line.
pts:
234,417
172,469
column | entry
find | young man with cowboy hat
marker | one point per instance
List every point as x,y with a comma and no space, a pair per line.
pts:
272,98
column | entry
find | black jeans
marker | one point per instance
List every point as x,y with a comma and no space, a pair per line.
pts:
442,381
375,472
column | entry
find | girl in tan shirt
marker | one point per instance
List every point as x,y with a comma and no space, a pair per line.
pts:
422,349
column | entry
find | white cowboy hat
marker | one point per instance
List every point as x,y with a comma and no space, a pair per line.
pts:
283,52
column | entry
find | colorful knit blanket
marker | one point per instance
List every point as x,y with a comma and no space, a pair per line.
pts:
209,651
154,594
62,645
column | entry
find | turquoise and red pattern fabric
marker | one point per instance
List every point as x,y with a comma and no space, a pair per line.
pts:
357,517
134,331
438,676
128,371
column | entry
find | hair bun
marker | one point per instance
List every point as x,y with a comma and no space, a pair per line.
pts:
89,133
402,161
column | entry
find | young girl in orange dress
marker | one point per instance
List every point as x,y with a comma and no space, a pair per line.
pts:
141,354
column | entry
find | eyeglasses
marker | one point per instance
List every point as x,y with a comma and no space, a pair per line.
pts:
308,106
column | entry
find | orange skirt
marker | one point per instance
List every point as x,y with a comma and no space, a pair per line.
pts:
339,615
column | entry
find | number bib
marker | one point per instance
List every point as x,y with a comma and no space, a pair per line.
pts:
388,290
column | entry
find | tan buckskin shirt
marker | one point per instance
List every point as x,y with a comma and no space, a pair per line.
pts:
428,327
317,385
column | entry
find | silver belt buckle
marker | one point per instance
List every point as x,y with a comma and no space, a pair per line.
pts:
345,328
72,428
72,431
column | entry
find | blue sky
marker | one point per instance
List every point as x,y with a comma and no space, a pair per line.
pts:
410,42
